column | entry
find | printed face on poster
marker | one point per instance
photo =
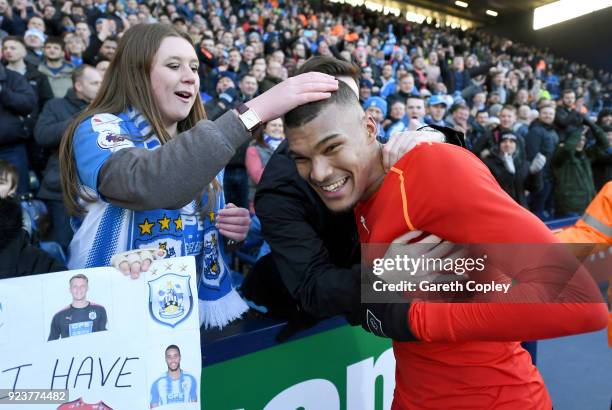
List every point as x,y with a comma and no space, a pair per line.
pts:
112,342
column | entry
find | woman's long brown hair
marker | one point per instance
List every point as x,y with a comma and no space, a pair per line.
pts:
127,82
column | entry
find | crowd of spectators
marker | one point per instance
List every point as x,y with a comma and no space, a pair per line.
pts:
542,124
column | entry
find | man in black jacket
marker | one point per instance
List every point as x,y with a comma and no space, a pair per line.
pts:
315,252
17,100
542,138
15,51
567,119
53,121
513,173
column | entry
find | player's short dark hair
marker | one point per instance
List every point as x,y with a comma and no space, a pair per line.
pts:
331,66
79,276
173,347
344,95
482,112
305,113
8,171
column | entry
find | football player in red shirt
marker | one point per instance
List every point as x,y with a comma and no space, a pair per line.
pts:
448,355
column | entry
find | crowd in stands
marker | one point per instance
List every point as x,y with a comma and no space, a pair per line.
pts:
542,124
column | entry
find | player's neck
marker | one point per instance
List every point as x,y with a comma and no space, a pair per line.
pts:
376,178
175,374
80,303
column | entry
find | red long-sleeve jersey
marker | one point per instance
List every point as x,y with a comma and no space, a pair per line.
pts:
469,356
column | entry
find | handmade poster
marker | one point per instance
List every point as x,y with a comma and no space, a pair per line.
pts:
96,339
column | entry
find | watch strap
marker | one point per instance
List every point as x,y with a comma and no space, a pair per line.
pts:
242,108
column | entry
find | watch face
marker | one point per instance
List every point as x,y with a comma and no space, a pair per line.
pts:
250,119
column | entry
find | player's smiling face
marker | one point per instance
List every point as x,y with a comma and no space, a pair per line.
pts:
173,360
336,153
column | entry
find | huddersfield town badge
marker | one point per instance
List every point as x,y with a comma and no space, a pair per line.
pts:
170,299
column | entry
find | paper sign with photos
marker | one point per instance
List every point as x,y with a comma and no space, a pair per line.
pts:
112,342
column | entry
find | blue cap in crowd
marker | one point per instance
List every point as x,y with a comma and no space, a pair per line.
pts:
229,74
377,102
437,99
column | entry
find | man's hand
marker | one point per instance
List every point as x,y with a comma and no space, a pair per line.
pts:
233,222
402,142
430,247
136,261
391,319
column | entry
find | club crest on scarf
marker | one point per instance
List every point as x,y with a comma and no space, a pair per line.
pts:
214,268
170,299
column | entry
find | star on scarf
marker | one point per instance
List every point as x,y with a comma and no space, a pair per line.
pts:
164,223
178,222
146,227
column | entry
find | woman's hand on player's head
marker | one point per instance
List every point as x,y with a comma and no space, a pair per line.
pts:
291,93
